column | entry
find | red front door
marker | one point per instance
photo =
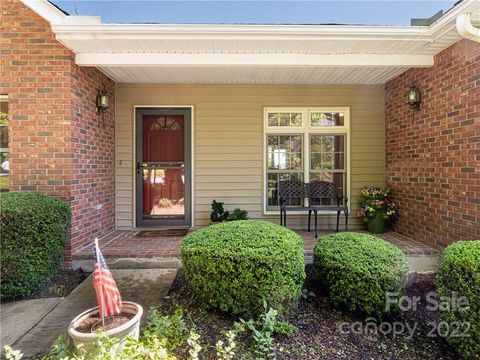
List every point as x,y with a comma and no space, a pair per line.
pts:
162,164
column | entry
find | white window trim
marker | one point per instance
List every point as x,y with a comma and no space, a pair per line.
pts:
305,130
4,98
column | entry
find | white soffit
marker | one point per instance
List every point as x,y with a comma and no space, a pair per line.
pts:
270,54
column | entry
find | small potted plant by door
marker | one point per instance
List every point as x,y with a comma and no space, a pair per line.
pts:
117,318
376,208
218,213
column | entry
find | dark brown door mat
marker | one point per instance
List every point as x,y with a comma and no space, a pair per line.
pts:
161,233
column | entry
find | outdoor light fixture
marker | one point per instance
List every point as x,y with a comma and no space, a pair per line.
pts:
412,97
103,102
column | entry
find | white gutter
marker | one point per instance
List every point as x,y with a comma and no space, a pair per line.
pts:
466,29
97,30
91,27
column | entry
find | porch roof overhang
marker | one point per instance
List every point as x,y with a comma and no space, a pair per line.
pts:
264,54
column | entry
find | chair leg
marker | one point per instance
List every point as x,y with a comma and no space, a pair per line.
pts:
281,217
316,228
338,218
346,220
309,213
285,217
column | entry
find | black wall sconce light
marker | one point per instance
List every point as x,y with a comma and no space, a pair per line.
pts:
103,102
413,98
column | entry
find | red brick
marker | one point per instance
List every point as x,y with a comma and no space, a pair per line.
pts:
437,146
58,144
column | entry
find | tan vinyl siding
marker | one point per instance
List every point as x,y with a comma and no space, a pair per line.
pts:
228,141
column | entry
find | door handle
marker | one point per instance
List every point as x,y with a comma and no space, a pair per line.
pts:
138,167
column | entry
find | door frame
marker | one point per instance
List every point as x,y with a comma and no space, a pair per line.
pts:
189,145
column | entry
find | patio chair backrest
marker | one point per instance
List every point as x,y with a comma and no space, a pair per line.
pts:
319,190
292,189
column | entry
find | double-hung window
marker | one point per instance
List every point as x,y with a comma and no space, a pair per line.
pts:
4,149
305,144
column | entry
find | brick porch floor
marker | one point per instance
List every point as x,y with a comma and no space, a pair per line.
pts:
124,244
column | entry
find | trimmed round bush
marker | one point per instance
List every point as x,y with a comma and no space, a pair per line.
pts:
237,266
34,230
458,277
359,270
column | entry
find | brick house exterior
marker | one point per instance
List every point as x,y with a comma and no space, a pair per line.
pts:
58,144
433,155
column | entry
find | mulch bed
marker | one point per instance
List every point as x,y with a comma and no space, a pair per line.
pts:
319,324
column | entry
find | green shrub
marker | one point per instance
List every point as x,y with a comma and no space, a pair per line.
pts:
459,277
359,270
238,214
34,230
236,266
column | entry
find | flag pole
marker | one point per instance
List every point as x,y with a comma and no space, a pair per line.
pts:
102,305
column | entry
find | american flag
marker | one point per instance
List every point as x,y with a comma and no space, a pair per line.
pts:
108,297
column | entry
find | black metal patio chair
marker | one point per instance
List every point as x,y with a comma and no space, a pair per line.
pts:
292,194
324,196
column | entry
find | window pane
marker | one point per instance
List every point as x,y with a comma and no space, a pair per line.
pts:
3,124
326,119
4,154
284,119
337,178
293,119
272,187
272,119
284,152
327,152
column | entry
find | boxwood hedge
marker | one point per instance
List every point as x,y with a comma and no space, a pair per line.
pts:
458,278
236,266
359,270
34,230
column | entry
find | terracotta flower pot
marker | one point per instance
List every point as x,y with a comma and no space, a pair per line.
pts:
128,329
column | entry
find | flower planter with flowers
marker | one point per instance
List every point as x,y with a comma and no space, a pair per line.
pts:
376,208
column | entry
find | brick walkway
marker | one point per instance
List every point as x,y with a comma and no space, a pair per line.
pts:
124,244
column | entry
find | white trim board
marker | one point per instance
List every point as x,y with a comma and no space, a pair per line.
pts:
271,60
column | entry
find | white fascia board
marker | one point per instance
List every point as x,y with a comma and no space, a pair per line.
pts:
46,10
246,60
55,16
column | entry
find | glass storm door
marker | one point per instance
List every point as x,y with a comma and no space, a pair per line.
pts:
163,180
